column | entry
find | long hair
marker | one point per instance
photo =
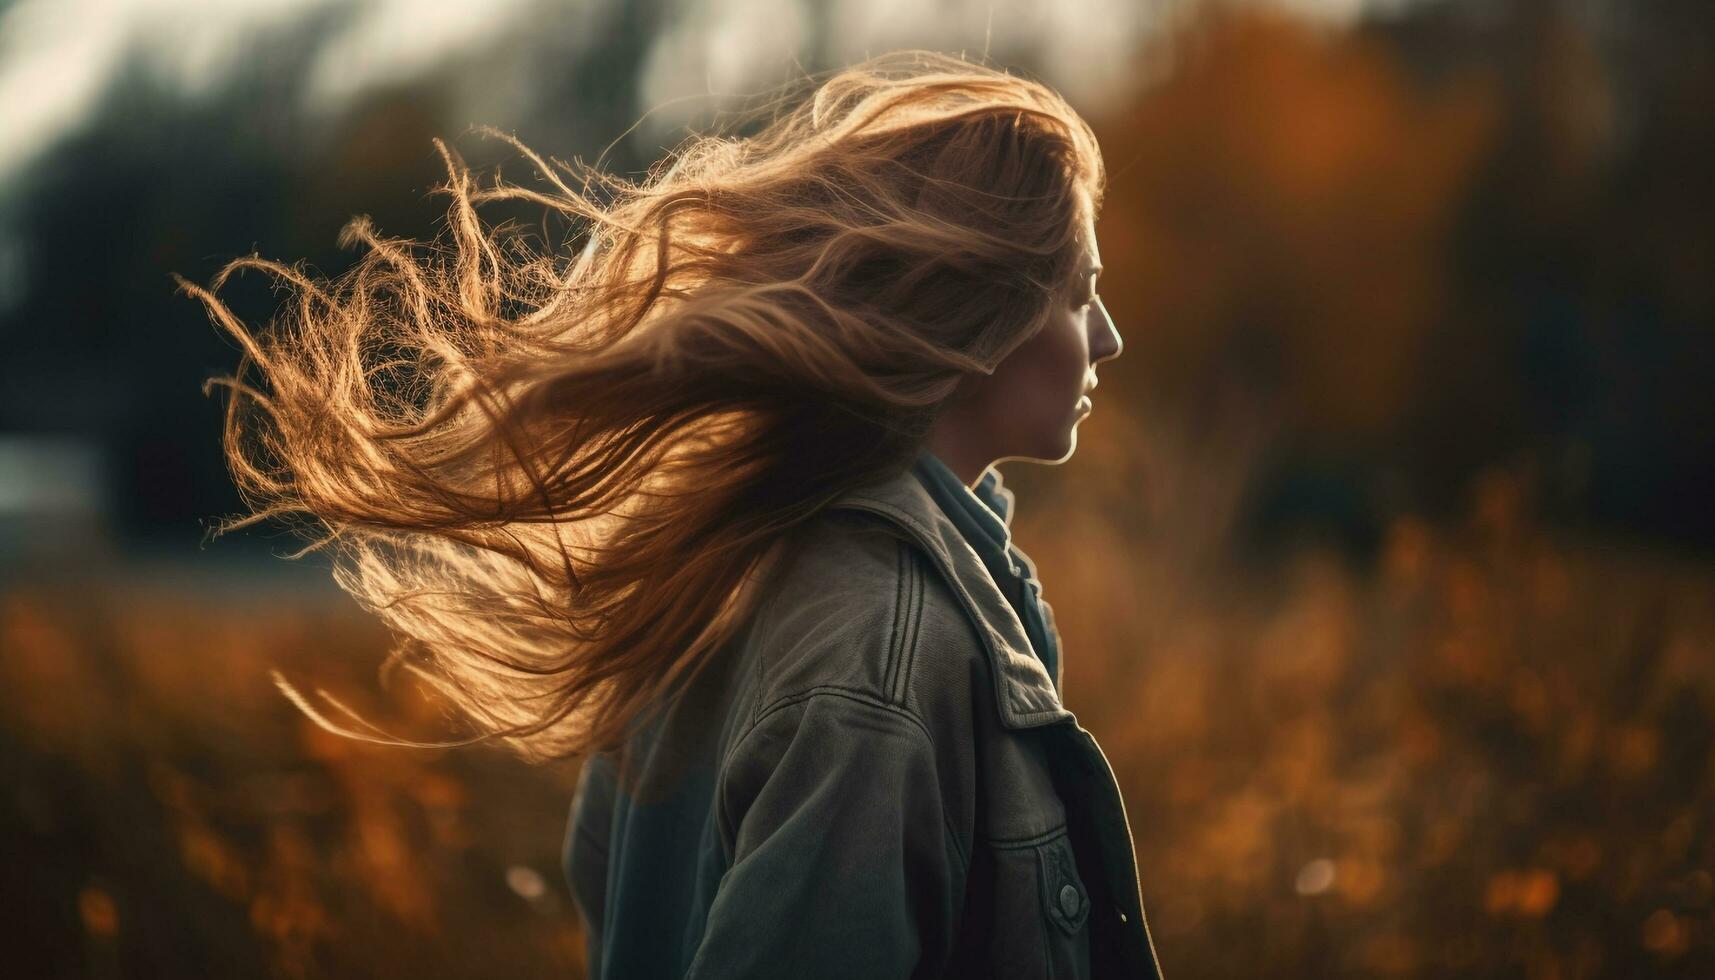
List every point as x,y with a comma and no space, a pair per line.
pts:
559,478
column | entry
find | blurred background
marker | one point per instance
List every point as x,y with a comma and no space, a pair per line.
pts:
1384,566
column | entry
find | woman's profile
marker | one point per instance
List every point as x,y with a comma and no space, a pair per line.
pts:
709,499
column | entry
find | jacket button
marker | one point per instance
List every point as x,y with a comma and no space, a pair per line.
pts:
1069,900
1123,918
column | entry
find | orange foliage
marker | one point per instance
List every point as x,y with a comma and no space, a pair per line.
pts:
1299,182
155,707
1490,753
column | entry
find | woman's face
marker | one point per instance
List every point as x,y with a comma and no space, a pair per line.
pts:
1030,407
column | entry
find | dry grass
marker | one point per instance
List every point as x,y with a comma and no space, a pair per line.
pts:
1487,756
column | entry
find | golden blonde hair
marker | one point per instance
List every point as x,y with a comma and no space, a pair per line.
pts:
557,477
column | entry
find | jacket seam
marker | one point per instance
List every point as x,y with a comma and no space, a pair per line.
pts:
896,636
1026,843
596,843
911,625
864,698
838,690
1012,712
758,624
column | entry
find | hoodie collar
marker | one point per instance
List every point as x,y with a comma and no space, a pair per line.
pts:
1025,693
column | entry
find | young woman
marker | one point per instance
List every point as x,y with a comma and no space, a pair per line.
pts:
713,505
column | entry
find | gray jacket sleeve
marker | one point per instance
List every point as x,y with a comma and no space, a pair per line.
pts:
842,861
585,855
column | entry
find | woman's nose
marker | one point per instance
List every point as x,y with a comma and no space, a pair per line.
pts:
1106,344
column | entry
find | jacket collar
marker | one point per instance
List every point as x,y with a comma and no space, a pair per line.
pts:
1024,692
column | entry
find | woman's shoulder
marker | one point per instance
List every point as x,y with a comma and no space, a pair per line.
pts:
858,608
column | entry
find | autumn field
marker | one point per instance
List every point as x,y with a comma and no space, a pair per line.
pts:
1488,753
1385,567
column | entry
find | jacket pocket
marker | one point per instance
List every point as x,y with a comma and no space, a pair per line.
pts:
1066,907
1043,910
1063,892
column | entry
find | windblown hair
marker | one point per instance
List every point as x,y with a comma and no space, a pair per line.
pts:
559,478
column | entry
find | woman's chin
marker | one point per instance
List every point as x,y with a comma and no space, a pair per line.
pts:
1071,445
1063,448
1052,447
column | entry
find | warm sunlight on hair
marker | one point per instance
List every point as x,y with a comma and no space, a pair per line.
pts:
555,476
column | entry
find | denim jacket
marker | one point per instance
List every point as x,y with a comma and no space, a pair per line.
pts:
878,779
